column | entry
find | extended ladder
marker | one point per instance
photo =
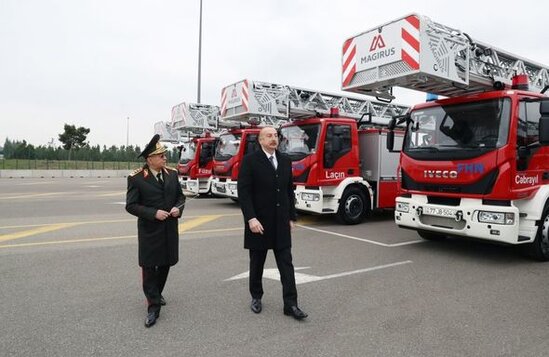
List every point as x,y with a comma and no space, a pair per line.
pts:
273,103
188,119
417,53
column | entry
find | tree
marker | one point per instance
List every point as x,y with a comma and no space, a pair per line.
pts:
73,137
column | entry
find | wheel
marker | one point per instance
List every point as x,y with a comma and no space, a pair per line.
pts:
539,248
353,206
431,235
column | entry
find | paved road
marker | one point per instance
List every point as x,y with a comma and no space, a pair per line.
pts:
70,285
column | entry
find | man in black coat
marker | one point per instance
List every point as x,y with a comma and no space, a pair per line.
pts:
266,196
155,197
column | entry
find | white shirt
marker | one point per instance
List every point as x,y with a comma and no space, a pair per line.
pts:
154,173
275,162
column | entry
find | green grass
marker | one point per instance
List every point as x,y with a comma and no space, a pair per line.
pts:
19,164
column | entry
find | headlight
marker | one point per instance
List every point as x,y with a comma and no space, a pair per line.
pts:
191,184
232,186
402,207
310,196
496,217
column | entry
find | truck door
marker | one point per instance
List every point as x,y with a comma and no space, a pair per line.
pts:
336,159
206,153
252,144
531,165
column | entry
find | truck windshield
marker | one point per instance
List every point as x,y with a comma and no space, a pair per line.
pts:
187,152
299,141
469,128
227,147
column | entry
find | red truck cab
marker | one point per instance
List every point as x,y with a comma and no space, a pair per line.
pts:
233,145
196,164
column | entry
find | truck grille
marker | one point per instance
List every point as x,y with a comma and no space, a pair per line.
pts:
483,186
442,222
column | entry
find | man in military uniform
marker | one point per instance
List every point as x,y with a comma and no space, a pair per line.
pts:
155,197
266,196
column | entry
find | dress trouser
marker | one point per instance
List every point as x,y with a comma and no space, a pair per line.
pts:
285,267
154,279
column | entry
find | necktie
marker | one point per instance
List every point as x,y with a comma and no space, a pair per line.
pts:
271,159
159,177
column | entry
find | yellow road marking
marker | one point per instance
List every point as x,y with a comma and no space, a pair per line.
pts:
110,221
30,195
185,226
72,223
308,220
31,232
64,241
107,238
83,240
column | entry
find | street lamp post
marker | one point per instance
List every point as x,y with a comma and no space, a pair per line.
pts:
199,51
127,131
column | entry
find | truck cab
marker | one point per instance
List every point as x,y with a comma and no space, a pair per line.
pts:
233,145
195,164
338,168
476,163
477,166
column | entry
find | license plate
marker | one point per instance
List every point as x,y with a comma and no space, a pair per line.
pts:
441,212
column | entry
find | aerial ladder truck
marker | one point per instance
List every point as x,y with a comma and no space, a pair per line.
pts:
243,116
191,128
340,164
474,164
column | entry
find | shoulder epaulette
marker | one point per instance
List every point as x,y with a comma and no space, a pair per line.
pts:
171,168
136,171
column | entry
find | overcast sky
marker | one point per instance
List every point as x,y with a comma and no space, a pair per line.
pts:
94,63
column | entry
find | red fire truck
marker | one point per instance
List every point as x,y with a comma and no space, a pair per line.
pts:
336,143
190,129
233,144
196,163
475,164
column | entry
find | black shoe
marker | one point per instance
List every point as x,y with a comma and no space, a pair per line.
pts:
295,312
151,319
256,306
162,301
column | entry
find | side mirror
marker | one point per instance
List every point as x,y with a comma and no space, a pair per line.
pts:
390,140
392,124
544,126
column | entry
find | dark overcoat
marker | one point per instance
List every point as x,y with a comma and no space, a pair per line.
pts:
158,240
267,194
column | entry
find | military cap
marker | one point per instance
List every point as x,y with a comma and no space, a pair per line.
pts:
153,148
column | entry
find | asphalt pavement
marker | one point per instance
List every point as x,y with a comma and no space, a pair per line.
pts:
70,285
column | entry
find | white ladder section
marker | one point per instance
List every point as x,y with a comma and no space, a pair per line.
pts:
417,53
188,119
272,103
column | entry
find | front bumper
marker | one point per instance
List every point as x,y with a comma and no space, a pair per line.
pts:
227,188
195,186
461,220
319,201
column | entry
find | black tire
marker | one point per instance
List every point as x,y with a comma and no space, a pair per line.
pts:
353,206
431,235
539,248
